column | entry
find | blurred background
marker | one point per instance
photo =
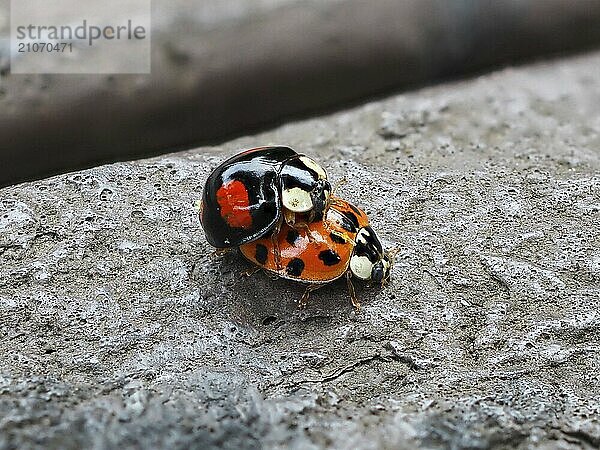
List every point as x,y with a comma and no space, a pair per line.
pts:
222,68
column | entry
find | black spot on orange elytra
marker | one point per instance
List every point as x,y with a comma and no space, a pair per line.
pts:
329,257
295,267
292,236
261,254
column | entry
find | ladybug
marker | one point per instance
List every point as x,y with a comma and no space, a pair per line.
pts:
252,193
344,244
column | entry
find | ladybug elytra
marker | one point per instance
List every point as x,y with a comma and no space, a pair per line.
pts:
344,244
251,194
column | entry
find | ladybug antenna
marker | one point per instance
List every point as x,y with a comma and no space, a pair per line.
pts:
390,255
393,253
331,199
337,185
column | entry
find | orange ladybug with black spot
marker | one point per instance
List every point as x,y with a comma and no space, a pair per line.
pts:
343,244
251,194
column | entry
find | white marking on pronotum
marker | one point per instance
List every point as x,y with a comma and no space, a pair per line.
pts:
296,200
314,166
361,267
363,236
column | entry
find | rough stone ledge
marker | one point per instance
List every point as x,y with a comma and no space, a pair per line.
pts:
118,329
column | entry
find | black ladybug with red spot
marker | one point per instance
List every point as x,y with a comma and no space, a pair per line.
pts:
251,194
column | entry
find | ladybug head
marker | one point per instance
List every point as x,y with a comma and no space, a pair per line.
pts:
381,270
368,261
304,187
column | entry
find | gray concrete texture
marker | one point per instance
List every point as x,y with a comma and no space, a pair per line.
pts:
120,330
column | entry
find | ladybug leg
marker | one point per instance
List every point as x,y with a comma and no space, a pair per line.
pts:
304,226
289,217
220,252
275,244
251,271
352,292
308,290
276,252
290,220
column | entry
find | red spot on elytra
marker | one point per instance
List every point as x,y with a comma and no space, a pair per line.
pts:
233,200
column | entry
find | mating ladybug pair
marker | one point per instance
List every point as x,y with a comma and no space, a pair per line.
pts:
277,207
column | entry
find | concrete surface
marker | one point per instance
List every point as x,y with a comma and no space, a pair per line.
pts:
119,330
222,67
